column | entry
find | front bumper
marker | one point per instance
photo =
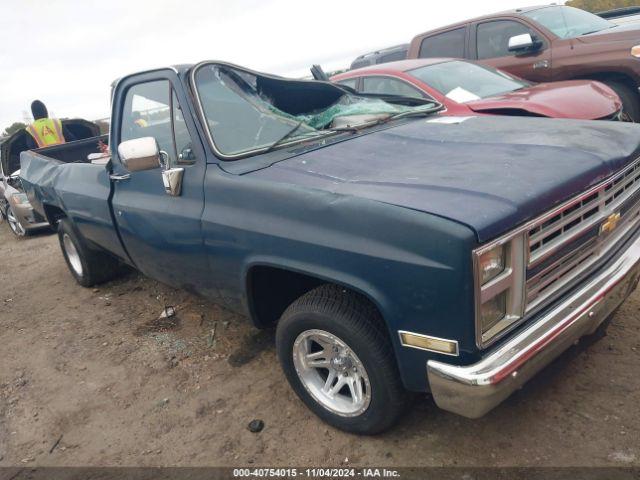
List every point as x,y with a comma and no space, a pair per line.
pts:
473,390
28,218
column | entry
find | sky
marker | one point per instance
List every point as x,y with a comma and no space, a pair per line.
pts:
67,53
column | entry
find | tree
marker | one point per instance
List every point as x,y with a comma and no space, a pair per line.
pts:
13,128
601,5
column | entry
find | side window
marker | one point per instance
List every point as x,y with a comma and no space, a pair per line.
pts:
393,56
493,37
389,86
446,44
349,82
151,109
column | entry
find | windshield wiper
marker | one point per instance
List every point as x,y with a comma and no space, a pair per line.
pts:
315,133
284,137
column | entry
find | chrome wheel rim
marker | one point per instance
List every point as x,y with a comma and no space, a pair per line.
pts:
14,224
72,254
332,373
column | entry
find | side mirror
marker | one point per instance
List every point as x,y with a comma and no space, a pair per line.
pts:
523,43
140,154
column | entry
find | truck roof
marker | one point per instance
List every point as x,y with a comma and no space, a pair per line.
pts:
513,11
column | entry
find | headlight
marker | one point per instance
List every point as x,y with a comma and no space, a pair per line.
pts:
19,199
635,51
500,284
492,263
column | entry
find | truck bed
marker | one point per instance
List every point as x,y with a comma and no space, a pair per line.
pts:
46,175
61,181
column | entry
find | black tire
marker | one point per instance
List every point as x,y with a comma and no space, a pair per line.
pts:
95,266
629,98
356,322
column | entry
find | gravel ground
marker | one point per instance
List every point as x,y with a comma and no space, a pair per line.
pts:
91,377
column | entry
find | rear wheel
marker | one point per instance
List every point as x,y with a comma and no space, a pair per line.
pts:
14,223
629,98
87,265
334,350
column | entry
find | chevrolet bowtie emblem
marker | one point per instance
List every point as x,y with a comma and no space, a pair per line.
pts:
610,223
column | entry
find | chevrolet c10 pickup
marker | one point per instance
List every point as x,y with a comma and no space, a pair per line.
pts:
395,250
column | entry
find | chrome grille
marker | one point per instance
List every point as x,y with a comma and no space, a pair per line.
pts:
551,235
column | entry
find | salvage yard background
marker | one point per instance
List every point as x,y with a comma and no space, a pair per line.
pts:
92,377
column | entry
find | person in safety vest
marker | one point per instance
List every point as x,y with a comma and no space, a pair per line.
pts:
45,131
139,121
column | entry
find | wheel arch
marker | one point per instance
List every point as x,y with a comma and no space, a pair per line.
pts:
53,214
610,75
272,286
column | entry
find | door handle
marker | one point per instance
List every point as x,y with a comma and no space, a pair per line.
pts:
117,178
541,64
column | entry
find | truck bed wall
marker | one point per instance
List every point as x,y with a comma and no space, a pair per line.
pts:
76,151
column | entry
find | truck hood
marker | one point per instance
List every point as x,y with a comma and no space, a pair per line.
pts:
581,99
489,173
617,33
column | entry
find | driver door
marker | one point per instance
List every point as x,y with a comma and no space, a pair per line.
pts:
161,233
492,48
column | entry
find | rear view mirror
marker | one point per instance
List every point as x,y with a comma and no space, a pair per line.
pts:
522,43
140,154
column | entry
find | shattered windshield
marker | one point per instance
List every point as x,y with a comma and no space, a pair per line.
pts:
464,81
246,112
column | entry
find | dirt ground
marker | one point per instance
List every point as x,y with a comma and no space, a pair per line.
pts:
96,372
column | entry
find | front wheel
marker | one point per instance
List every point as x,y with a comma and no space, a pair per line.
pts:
14,223
335,352
87,265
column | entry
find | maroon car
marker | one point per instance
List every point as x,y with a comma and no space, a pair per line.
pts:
468,88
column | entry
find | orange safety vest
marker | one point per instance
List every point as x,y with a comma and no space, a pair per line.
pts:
46,132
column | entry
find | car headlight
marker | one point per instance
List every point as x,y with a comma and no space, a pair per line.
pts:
492,263
635,51
500,284
19,199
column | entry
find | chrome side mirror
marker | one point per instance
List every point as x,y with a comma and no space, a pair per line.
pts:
519,43
144,154
140,154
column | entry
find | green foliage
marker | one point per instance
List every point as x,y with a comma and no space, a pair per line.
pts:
601,5
13,128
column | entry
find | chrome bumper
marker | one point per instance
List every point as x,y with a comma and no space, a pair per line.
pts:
473,390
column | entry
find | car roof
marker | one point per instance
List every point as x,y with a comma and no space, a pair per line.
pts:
383,51
398,66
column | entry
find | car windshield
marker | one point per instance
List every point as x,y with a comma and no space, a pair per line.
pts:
568,22
246,112
464,81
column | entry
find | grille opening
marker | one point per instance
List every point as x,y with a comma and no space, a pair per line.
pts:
590,213
563,274
551,221
551,236
572,224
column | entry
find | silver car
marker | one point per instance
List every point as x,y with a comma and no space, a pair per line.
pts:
14,204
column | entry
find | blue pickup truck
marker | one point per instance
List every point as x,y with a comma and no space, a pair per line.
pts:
395,249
